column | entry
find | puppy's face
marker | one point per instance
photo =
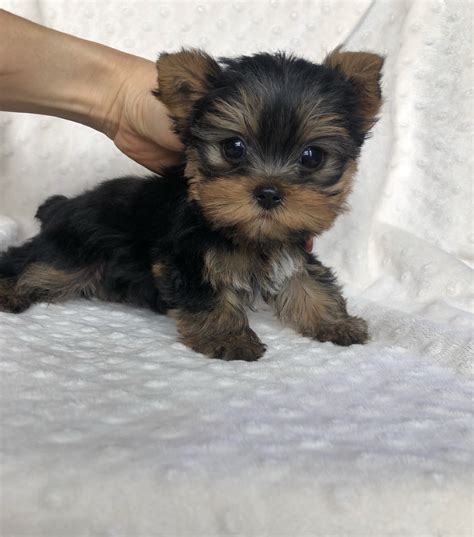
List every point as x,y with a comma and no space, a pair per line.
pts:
271,140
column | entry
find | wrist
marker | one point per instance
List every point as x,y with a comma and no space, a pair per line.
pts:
95,92
124,81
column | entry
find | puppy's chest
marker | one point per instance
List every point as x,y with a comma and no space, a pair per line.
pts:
251,274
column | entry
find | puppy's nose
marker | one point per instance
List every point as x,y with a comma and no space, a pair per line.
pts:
268,197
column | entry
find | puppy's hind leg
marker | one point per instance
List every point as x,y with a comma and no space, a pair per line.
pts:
41,282
10,300
25,283
12,264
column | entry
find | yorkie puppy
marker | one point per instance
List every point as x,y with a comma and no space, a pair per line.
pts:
272,143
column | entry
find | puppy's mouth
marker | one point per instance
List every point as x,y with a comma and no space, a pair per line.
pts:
268,214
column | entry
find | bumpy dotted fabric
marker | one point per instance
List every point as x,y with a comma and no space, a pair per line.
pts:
109,426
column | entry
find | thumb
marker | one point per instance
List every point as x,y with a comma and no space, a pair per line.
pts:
154,120
157,125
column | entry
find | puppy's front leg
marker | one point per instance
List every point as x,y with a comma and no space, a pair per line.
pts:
221,331
311,302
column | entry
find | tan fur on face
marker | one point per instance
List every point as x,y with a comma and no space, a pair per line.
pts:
316,124
363,69
239,117
343,187
229,202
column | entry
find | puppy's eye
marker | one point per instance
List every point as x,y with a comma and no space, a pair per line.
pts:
312,157
233,149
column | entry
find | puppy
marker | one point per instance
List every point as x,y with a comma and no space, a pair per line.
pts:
272,143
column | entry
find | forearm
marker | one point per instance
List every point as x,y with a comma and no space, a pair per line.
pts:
43,71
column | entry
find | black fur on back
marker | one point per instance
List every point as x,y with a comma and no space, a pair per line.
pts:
122,227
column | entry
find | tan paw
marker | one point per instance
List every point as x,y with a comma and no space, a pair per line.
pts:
10,301
244,346
346,332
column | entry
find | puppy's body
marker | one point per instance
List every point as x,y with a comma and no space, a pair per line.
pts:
204,240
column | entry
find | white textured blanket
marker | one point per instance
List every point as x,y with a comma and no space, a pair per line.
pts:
109,426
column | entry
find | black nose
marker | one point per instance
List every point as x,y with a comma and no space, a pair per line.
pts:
268,197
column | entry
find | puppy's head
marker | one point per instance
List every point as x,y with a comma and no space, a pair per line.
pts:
271,140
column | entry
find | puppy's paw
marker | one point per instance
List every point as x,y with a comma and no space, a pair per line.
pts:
10,301
244,346
344,332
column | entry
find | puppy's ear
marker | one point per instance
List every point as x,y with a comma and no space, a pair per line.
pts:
363,70
183,78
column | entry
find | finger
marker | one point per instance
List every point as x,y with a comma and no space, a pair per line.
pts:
155,158
158,165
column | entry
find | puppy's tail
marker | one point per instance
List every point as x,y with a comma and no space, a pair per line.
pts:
47,209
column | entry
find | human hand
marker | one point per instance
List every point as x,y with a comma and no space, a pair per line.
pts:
137,122
43,71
